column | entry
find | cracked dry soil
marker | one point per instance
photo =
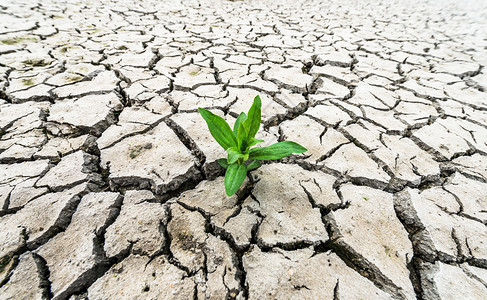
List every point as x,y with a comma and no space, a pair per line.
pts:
109,187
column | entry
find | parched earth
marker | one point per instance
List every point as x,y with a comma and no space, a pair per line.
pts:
109,186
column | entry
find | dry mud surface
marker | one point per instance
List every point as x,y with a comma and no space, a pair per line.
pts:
109,187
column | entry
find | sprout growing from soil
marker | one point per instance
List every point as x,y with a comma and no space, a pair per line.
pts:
240,158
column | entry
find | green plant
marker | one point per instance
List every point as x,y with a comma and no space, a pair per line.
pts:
237,144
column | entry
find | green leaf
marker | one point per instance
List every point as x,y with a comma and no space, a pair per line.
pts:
253,142
252,123
233,155
241,118
223,162
242,137
219,129
253,165
234,177
276,151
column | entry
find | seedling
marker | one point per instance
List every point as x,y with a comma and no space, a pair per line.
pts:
240,158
